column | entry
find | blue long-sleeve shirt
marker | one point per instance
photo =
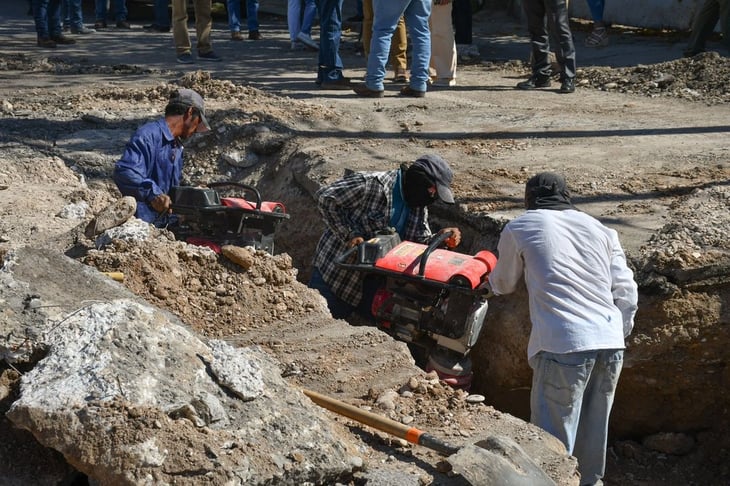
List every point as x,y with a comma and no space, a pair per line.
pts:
150,165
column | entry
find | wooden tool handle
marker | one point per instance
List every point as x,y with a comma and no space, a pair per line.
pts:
411,434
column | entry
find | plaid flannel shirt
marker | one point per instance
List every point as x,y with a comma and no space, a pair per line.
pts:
360,204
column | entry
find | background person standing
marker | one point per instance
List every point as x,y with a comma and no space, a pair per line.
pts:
203,26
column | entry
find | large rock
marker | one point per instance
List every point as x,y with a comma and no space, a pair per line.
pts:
129,395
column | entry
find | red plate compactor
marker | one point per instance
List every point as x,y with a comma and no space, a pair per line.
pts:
433,299
206,218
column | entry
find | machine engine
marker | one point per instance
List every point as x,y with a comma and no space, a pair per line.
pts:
206,218
433,299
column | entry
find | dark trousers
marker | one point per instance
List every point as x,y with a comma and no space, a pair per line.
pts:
705,21
461,17
330,33
545,17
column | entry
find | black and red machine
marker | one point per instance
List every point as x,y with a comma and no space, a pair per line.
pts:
206,218
434,299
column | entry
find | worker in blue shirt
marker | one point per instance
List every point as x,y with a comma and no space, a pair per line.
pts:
152,161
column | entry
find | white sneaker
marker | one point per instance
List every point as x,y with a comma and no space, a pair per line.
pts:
307,41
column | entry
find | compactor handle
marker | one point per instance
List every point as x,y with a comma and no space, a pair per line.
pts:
435,243
245,187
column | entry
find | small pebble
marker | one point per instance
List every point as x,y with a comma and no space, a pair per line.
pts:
475,398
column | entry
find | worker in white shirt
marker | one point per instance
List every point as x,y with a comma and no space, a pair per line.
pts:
582,300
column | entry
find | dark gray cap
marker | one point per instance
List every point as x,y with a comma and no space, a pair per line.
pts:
189,97
438,170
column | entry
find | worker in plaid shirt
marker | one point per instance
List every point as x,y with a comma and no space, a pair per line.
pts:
357,207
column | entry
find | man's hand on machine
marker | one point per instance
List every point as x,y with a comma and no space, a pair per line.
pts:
454,240
161,203
355,241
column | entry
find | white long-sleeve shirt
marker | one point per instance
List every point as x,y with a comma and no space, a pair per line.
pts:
582,294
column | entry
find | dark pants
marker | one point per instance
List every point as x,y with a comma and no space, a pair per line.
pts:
47,14
543,18
330,33
704,24
461,17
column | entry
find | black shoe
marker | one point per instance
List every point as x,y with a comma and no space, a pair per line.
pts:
100,24
365,92
535,81
412,93
254,35
342,83
123,24
62,39
46,42
567,86
156,28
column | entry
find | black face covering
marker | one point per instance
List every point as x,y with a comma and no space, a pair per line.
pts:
547,190
416,188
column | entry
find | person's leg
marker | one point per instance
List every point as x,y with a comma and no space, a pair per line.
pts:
54,19
180,32
703,26
443,48
310,11
461,16
535,14
596,7
203,25
162,14
599,36
293,18
724,13
120,10
252,15
101,11
338,308
592,436
558,381
40,17
398,49
557,17
75,16
234,15
417,14
367,27
330,64
386,14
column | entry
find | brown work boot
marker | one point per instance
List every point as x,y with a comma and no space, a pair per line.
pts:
46,42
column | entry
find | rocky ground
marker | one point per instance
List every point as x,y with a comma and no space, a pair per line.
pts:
644,147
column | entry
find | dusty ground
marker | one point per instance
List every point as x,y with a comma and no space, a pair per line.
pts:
632,140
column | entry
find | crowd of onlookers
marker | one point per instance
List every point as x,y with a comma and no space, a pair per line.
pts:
437,31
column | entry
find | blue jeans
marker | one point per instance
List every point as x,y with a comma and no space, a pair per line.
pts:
47,16
120,10
571,398
330,32
298,22
596,8
234,15
386,15
162,13
71,14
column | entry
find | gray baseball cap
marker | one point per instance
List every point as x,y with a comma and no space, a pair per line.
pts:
438,170
189,97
